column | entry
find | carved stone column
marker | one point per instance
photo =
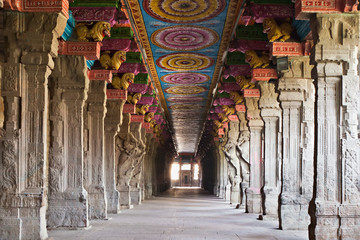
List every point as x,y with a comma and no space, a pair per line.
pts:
221,170
112,120
233,162
148,165
243,148
126,149
255,123
68,199
297,103
94,115
271,114
138,158
337,214
31,42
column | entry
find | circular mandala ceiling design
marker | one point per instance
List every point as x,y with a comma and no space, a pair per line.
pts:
184,38
185,90
184,61
185,78
184,107
185,99
183,11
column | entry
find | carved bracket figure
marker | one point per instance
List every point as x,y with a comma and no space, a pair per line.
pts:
97,32
276,32
112,62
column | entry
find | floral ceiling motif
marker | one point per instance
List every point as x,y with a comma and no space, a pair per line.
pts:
185,78
185,99
184,38
185,90
183,11
184,42
184,61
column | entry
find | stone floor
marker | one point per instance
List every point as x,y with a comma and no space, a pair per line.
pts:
181,214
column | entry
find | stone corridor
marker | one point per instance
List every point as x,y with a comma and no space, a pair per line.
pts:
181,213
255,101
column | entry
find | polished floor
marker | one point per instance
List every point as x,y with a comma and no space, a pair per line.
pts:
181,214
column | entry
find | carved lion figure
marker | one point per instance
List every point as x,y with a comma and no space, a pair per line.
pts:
238,99
228,110
142,110
123,82
217,124
149,116
134,99
113,62
152,123
223,117
255,61
97,32
276,32
244,82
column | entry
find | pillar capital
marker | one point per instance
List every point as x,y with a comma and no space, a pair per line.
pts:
253,112
337,36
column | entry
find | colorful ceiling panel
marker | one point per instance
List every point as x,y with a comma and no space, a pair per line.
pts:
184,42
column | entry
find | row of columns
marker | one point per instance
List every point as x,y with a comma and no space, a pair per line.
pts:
68,155
302,149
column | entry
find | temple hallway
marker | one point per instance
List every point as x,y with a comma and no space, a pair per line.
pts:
181,214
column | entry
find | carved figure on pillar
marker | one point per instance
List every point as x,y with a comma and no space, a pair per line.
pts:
30,43
233,163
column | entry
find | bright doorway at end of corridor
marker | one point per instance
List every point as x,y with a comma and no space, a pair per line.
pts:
185,172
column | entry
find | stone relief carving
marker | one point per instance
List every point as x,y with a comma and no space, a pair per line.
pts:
127,147
8,172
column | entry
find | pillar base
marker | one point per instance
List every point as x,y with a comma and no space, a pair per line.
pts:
227,193
294,217
148,191
125,200
97,203
235,197
135,197
271,203
10,227
113,202
122,207
221,192
68,209
253,201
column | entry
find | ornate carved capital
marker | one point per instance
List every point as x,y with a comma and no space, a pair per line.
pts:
253,112
337,37
268,99
299,68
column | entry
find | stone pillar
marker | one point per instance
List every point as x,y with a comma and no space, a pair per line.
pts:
297,103
233,162
221,170
30,44
337,213
271,114
255,123
68,200
149,165
94,115
112,121
243,148
126,149
138,158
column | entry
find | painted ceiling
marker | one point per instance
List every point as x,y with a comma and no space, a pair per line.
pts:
184,42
